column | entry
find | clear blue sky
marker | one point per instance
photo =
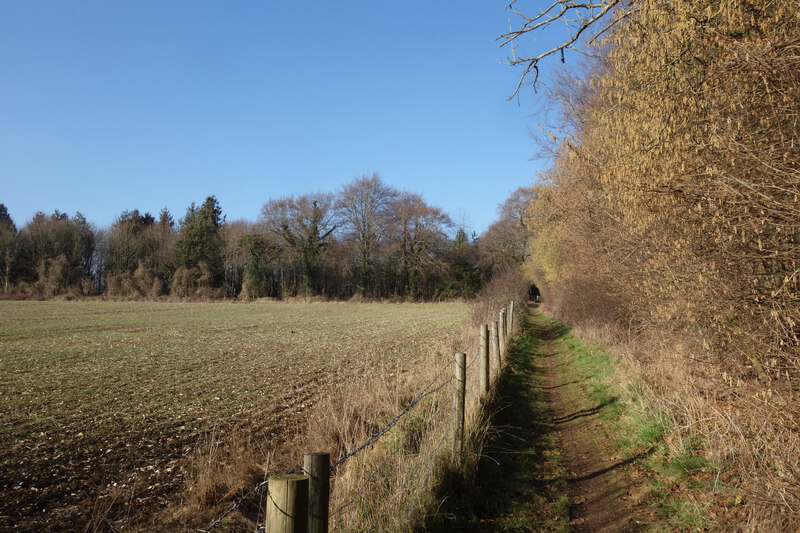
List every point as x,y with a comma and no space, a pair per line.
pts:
108,106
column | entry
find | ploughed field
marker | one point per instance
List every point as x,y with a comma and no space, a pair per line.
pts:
103,404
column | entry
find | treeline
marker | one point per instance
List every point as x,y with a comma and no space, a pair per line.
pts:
673,212
367,240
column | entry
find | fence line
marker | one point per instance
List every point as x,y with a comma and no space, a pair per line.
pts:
477,351
428,390
258,488
411,475
363,485
431,463
378,434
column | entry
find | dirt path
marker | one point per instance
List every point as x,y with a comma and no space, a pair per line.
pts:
521,484
546,465
597,490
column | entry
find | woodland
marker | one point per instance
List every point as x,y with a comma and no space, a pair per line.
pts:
366,240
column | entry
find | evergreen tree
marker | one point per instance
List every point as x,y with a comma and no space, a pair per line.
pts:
8,237
199,244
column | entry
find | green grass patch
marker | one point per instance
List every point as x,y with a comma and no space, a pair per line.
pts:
679,481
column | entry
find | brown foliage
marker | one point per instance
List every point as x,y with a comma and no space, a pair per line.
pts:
142,284
673,208
505,243
184,282
503,288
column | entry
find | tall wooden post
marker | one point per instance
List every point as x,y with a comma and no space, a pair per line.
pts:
317,467
505,330
495,346
511,319
501,331
459,396
287,504
484,357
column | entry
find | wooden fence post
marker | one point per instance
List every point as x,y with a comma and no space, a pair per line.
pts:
287,504
505,330
495,347
501,332
317,467
458,404
484,357
511,319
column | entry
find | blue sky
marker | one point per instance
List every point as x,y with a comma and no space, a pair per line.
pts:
108,106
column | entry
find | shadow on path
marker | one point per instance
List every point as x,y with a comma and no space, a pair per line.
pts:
578,404
548,465
583,412
521,484
615,466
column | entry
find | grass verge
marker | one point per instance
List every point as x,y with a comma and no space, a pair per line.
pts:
522,483
671,482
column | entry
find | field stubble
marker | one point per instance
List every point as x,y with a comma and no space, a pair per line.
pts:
113,414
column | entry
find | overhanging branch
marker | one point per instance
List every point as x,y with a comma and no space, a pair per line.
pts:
578,16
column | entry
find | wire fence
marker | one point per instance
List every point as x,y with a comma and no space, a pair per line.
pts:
378,434
397,482
394,484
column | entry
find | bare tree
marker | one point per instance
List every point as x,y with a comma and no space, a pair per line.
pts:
125,242
136,254
55,248
420,237
505,243
234,256
515,207
364,207
304,224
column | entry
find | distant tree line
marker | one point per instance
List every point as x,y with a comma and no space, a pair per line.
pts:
365,240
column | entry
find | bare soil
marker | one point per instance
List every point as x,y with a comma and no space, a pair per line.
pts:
106,407
597,490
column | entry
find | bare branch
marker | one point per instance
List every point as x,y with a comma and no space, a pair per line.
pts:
578,16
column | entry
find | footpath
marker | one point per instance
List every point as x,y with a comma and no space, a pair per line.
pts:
548,463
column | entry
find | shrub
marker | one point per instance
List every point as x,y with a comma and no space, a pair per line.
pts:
505,287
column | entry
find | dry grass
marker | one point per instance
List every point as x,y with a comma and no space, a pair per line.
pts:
748,436
392,486
111,410
397,483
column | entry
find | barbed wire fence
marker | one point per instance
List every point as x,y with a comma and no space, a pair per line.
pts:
384,489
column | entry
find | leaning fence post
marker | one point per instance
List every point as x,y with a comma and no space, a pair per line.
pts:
287,504
318,468
484,367
458,405
495,346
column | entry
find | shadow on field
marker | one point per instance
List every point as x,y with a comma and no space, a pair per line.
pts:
520,483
